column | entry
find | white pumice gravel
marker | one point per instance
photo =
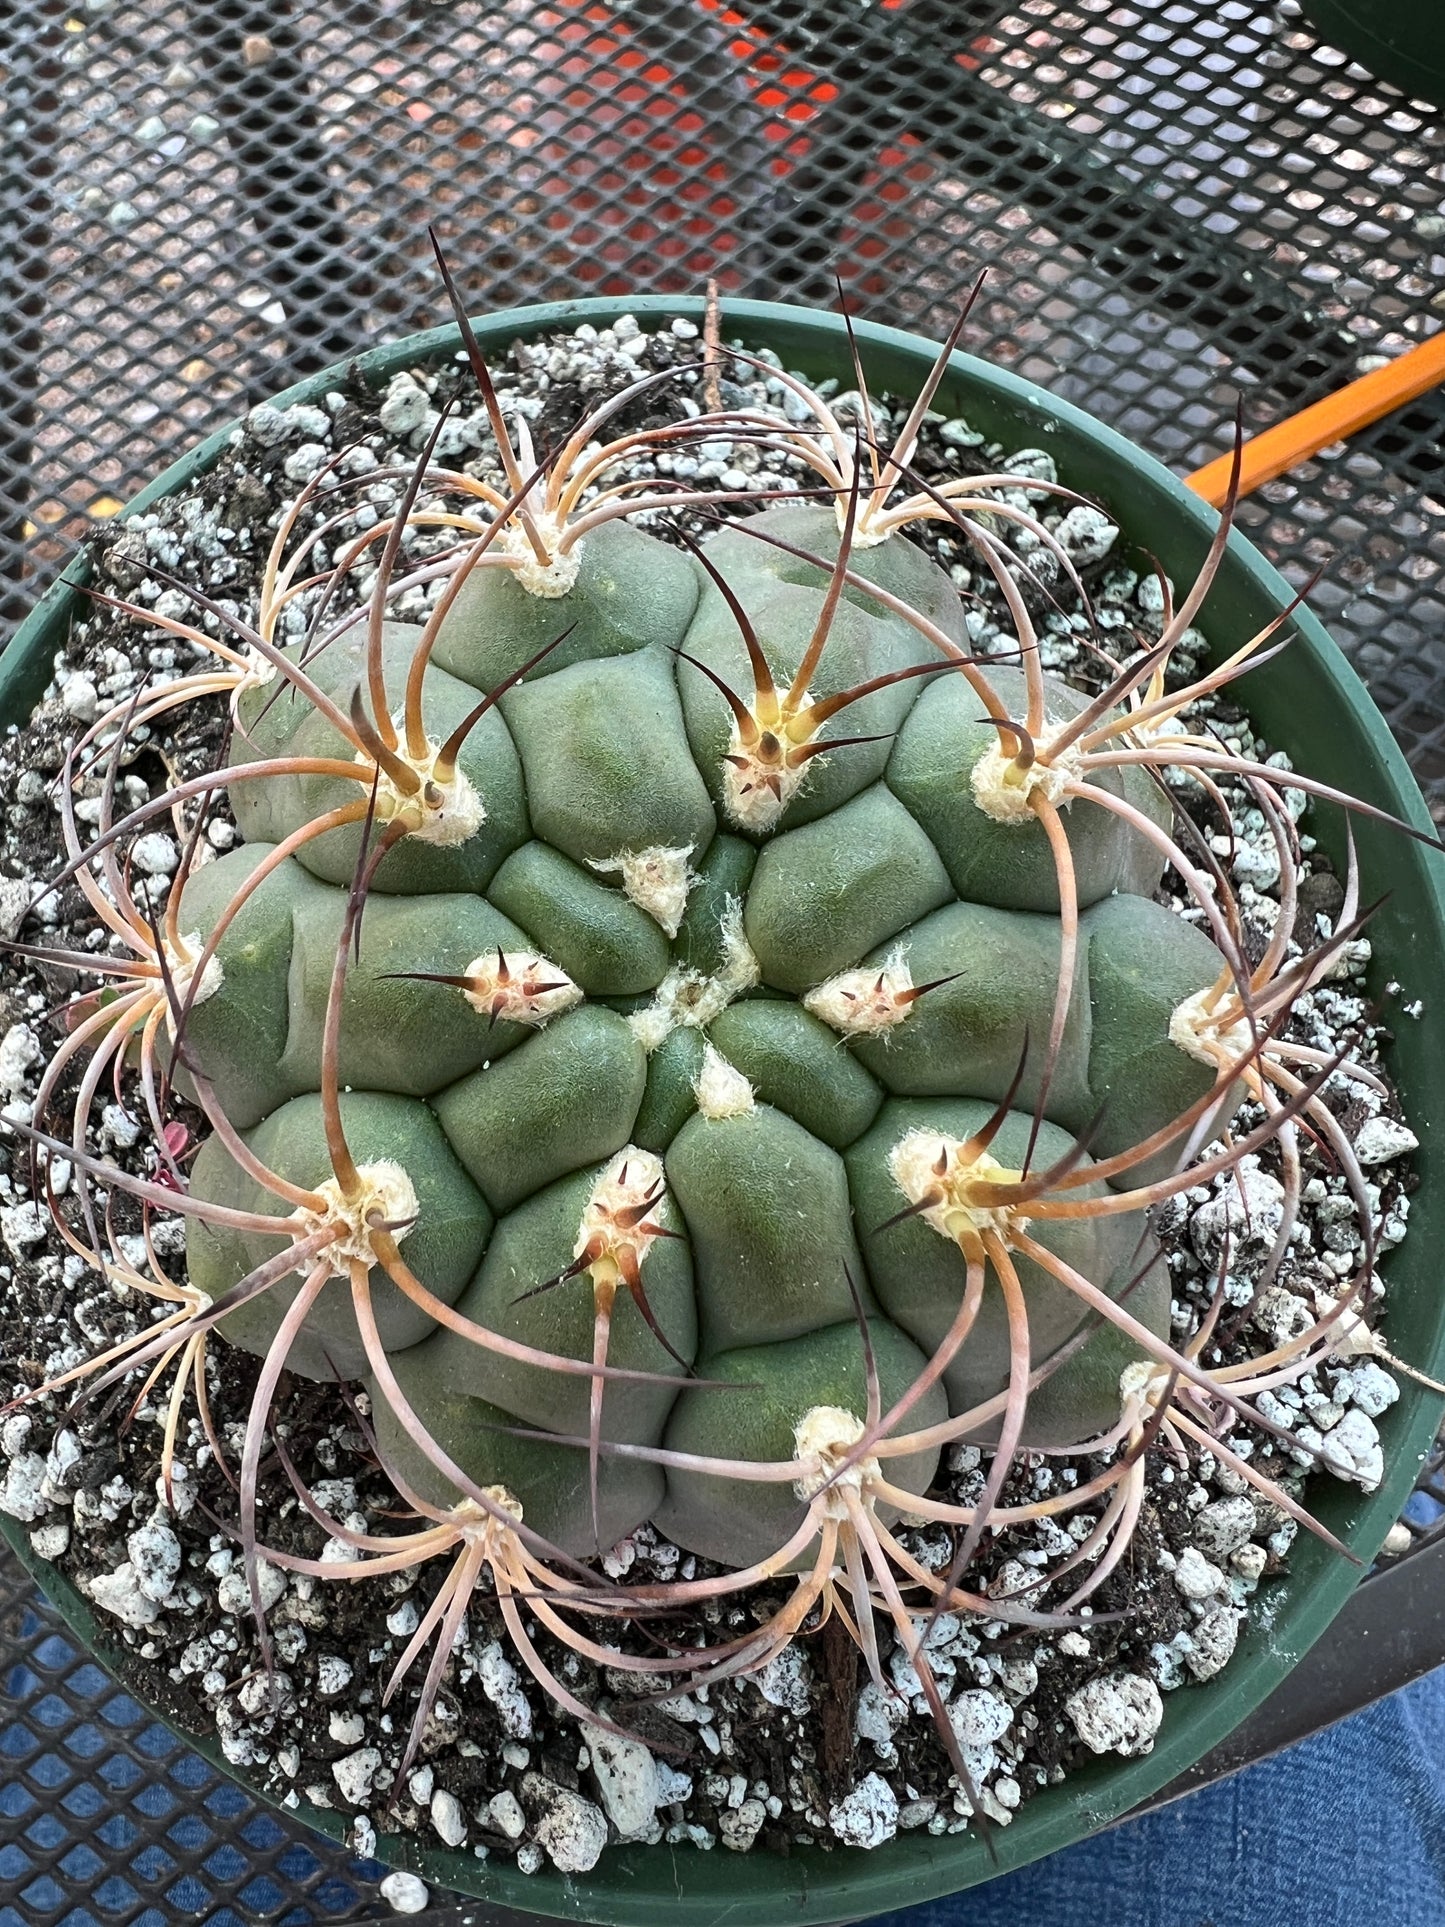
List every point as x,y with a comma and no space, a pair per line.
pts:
155,1555
355,1774
405,1894
1117,1713
121,1593
868,1816
570,1830
499,1769
625,1775
448,1821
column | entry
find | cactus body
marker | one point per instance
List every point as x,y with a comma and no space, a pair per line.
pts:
759,1013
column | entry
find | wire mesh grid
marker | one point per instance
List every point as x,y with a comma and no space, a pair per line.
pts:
1177,203
106,1817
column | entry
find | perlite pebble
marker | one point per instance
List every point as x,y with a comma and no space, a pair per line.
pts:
1374,1389
1086,534
979,1718
740,1826
868,1816
784,1682
22,1492
119,1592
155,854
19,1049
1249,1561
626,1778
1356,1436
1195,1577
406,406
16,896
1214,1641
234,1592
503,1688
570,1829
49,1541
1223,1525
303,462
879,1714
22,1226
355,1773
404,1893
79,699
1246,1213
266,425
1119,1713
1383,1138
505,1814
447,1818
333,1674
155,1554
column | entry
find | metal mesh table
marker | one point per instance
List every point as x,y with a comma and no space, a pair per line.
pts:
1177,203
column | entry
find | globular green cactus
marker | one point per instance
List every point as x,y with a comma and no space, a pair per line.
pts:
693,1040
565,1035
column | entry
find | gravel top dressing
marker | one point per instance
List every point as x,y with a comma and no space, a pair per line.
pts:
809,1751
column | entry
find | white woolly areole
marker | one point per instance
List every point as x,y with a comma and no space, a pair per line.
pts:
386,1193
828,1433
443,812
1141,1382
1003,791
656,880
259,670
547,580
863,1002
475,1520
1196,1030
928,1165
866,533
686,999
757,789
721,1089
631,1179
521,986
181,961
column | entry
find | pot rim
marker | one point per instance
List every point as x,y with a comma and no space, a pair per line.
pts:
638,1886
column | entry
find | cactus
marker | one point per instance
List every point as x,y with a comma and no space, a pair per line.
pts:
692,1039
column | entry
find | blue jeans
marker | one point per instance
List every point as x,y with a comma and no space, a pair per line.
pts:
1346,1828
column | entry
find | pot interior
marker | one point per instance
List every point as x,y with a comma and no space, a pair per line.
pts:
1307,702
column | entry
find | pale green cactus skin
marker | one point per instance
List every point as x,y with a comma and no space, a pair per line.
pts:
611,746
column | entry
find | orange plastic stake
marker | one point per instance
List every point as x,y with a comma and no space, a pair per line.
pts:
1331,420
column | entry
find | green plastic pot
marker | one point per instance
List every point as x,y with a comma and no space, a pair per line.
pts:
1402,41
1309,702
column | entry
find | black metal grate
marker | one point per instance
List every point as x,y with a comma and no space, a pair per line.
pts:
1178,202
108,1820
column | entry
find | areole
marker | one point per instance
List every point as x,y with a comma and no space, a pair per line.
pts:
1308,703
